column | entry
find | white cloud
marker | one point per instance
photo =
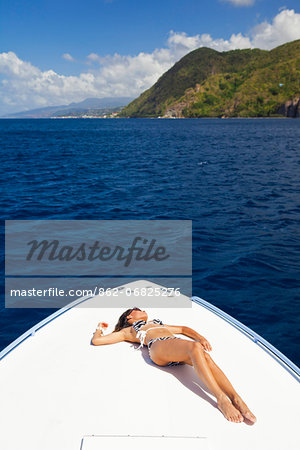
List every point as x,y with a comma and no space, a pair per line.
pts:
11,65
240,2
68,57
25,86
183,43
93,57
285,27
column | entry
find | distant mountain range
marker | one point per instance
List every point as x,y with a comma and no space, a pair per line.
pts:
87,106
238,83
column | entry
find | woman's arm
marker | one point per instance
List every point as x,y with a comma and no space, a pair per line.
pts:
187,331
111,338
194,335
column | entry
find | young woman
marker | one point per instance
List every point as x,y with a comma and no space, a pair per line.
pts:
165,349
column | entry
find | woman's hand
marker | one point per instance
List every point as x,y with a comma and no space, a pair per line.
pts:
205,344
102,325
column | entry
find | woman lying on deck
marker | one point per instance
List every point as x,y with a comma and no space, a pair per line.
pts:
165,349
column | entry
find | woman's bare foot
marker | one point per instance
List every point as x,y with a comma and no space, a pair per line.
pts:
243,408
229,411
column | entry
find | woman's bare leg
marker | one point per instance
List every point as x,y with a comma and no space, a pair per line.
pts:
229,390
162,352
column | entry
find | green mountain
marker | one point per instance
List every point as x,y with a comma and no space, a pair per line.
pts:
238,83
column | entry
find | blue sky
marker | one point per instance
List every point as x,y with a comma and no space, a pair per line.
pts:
84,47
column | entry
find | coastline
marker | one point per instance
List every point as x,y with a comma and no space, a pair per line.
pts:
152,118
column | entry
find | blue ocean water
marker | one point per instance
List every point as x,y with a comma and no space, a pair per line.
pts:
238,180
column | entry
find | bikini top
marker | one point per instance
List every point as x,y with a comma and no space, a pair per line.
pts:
141,334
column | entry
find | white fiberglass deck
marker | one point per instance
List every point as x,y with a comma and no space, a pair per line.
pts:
58,392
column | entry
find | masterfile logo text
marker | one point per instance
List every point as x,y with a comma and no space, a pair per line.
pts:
45,259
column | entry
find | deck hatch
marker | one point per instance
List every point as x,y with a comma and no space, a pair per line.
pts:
97,442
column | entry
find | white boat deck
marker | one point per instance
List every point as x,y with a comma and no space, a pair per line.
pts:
59,392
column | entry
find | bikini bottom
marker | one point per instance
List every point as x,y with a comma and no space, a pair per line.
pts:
172,363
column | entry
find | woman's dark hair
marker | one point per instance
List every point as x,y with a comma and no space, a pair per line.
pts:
122,322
